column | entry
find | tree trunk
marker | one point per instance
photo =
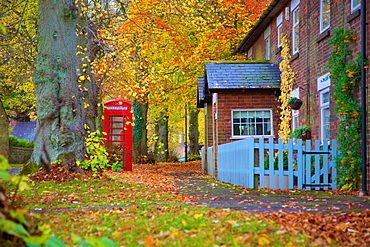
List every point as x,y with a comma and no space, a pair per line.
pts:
4,133
60,130
193,132
86,54
139,136
161,147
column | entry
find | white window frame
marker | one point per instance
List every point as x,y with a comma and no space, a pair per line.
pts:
295,42
355,6
324,28
323,107
295,113
250,54
252,136
279,27
267,43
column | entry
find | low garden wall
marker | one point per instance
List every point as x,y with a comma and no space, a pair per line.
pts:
19,155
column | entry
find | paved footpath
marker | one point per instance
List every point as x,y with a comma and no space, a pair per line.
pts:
211,193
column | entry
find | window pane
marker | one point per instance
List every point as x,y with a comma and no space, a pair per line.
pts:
326,124
116,125
280,35
296,38
243,118
267,45
355,3
115,131
325,15
325,98
296,16
116,118
236,130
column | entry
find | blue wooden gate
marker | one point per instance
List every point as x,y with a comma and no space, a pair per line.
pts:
261,163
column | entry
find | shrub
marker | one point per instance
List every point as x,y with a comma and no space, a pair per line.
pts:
300,132
15,142
276,161
97,156
192,157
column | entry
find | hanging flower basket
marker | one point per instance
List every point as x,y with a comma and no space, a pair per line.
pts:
295,103
295,106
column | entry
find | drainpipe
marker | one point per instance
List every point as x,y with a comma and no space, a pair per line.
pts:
363,191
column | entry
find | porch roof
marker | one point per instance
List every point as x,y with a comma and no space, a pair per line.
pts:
242,75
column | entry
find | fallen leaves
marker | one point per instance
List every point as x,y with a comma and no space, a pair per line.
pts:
344,229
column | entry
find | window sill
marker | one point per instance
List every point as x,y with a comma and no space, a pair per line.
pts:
246,137
354,15
322,36
294,57
278,50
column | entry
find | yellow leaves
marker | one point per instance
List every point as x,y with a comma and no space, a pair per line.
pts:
197,216
287,81
2,28
263,241
20,181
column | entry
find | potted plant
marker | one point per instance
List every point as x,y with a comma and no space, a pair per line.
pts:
295,103
303,133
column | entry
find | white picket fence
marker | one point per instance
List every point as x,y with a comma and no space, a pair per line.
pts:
248,163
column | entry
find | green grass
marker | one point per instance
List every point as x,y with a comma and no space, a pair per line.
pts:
90,192
175,225
137,215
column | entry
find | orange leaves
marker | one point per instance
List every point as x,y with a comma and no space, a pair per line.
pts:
344,229
162,45
149,241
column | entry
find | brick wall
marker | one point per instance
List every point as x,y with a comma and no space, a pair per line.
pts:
230,101
314,51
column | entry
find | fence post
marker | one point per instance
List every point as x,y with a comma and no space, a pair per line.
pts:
325,166
290,164
262,162
300,164
280,164
250,164
333,165
317,164
308,164
271,163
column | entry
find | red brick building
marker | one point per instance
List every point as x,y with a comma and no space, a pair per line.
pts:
309,25
240,101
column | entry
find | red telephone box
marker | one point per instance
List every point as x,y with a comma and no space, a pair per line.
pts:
117,126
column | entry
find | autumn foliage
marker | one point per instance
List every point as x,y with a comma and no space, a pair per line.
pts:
157,49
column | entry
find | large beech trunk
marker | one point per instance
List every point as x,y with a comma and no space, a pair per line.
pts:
87,49
60,130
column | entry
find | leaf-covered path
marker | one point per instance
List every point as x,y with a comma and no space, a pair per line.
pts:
188,182
208,192
176,204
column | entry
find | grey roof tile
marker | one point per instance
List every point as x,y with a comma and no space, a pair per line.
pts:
242,75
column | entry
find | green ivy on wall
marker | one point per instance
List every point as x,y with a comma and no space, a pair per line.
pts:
345,76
